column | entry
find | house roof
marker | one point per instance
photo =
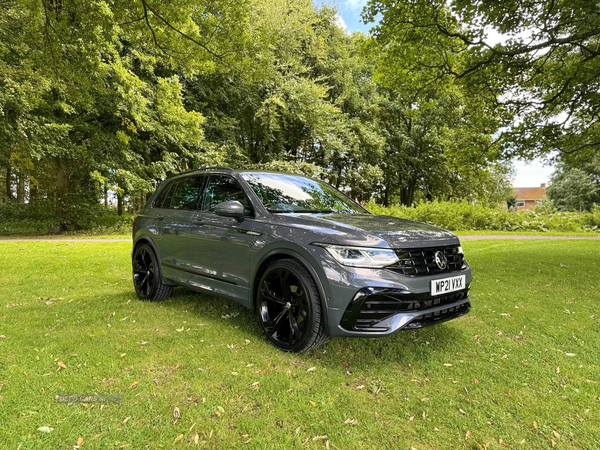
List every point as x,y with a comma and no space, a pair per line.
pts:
529,193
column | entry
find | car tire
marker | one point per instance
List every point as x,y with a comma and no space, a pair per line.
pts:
289,307
147,278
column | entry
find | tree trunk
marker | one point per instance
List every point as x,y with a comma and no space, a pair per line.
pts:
106,195
62,192
9,193
386,196
20,188
119,204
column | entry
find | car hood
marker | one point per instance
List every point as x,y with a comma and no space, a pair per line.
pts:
370,230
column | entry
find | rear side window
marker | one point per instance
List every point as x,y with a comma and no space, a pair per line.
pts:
187,193
160,199
222,188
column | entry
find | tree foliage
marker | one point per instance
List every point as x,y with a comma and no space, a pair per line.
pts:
573,190
107,97
542,77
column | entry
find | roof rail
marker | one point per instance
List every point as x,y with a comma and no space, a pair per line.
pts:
203,169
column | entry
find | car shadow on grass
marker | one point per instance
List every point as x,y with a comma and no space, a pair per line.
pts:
403,347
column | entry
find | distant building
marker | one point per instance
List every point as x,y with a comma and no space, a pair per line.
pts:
529,197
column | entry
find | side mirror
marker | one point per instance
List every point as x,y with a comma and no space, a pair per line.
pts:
231,208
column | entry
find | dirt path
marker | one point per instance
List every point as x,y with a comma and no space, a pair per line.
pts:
463,237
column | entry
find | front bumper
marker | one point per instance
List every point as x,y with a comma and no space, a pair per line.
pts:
407,300
382,311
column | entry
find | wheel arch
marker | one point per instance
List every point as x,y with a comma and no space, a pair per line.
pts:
286,253
145,239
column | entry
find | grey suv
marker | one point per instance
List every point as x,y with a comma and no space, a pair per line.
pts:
309,260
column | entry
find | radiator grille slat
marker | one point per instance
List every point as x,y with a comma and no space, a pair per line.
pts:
419,262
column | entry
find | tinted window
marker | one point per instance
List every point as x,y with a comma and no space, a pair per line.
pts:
158,202
281,193
222,188
187,193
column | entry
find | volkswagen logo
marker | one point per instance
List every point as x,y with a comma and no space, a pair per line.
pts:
441,260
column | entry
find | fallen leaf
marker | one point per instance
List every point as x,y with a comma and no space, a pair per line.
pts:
569,354
358,388
46,429
316,438
535,425
127,419
468,435
461,411
176,413
134,384
475,380
2,336
553,442
178,438
411,418
350,421
313,403
234,373
62,365
555,433
79,441
95,437
311,369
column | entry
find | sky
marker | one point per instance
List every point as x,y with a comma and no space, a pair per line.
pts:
527,174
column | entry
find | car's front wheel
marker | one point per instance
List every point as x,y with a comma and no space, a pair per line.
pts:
289,307
146,276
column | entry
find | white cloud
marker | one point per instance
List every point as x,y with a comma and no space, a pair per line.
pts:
532,174
355,4
339,21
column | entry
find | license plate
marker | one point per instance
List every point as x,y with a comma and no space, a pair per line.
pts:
445,285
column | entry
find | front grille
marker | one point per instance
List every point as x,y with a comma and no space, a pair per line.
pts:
439,316
421,261
371,306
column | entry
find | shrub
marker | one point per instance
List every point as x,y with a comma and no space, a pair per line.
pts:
39,217
461,215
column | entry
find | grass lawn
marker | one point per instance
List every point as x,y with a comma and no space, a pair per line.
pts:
522,370
529,233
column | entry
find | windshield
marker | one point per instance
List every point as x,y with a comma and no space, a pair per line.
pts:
282,193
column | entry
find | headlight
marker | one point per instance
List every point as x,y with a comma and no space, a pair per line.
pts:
361,256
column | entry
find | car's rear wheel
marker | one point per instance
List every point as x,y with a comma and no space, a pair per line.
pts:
146,276
289,307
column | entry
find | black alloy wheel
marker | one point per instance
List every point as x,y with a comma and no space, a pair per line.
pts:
289,307
146,276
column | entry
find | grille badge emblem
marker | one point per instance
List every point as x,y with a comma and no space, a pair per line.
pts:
441,260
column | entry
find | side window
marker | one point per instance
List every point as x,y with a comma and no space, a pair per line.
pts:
187,193
222,188
159,200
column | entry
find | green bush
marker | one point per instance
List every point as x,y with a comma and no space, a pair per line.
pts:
462,215
40,217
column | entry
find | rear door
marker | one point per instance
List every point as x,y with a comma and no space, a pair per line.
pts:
178,226
222,259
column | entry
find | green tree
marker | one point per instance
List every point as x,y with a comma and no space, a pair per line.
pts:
544,73
573,190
